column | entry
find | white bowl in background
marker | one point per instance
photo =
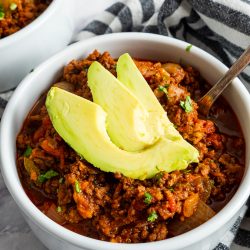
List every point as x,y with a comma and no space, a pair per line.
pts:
140,45
25,49
48,34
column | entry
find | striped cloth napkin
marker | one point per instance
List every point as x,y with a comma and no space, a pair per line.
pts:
221,27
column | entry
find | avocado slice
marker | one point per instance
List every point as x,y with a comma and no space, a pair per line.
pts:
131,77
129,125
82,124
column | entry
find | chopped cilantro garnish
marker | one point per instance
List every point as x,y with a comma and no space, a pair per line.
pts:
171,189
59,209
48,175
1,15
28,151
188,48
163,89
152,217
77,187
13,6
1,8
61,180
187,104
148,198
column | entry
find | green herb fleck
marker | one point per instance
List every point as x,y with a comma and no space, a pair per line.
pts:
148,198
171,189
77,187
188,48
1,15
28,151
61,180
59,209
163,89
187,104
13,6
152,217
48,175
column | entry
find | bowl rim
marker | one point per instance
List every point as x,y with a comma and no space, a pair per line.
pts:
34,25
58,231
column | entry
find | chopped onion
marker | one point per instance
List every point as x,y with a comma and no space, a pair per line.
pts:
202,214
54,215
65,86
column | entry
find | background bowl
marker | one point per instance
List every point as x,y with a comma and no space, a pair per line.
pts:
25,49
49,33
140,45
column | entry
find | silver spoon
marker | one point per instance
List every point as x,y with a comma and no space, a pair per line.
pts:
209,98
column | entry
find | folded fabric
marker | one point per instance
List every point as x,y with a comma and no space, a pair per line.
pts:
221,27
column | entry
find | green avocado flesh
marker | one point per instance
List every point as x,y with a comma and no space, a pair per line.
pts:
131,77
82,124
129,125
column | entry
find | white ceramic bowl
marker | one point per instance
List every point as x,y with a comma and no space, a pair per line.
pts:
46,35
25,49
141,45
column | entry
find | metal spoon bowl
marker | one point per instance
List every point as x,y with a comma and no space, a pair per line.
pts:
209,98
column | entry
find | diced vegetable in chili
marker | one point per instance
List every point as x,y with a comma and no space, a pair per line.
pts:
152,217
187,104
48,175
148,198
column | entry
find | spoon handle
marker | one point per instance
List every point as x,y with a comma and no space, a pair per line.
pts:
208,99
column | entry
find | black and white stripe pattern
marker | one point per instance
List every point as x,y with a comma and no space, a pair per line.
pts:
221,27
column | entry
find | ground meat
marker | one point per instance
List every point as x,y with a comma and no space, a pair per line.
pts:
19,13
111,206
